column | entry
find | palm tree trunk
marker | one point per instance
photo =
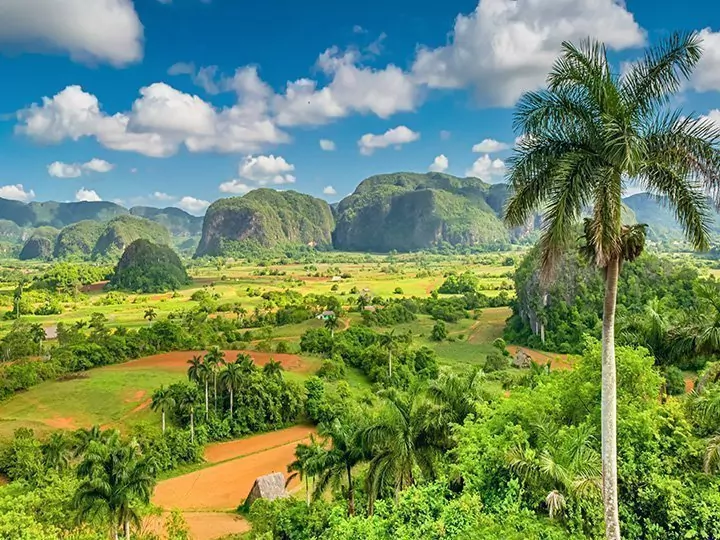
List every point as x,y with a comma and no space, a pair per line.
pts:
609,404
231,403
114,532
351,492
390,365
127,530
215,389
192,426
307,490
163,420
207,402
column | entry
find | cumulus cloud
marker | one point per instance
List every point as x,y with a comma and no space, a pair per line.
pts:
439,164
489,146
327,145
506,47
444,135
398,136
160,196
16,192
87,195
329,190
706,76
58,169
192,205
234,186
89,31
487,168
257,171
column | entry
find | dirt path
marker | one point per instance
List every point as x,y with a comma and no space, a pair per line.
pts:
219,452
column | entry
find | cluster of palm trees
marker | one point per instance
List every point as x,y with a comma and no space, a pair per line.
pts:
409,434
583,140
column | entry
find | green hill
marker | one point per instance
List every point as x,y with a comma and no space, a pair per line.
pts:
78,240
40,245
148,267
177,221
267,218
410,211
122,231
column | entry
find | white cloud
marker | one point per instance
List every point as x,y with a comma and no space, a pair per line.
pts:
192,205
444,135
160,121
327,145
506,47
58,169
368,143
89,30
133,170
265,170
706,76
353,89
87,195
160,196
439,164
16,192
487,169
234,186
357,29
329,190
204,77
489,146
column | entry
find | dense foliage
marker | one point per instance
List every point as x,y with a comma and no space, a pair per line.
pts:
148,267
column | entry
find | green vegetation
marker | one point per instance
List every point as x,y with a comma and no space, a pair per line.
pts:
264,218
77,241
40,245
148,267
124,230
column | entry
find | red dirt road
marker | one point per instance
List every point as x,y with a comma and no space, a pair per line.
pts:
177,361
216,453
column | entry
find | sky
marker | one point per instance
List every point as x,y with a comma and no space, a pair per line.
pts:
181,102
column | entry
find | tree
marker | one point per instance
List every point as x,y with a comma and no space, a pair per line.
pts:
331,323
404,438
37,333
86,437
199,373
150,314
239,311
273,369
439,331
115,479
214,359
231,377
582,139
57,451
457,396
388,341
306,465
17,297
187,405
163,401
341,451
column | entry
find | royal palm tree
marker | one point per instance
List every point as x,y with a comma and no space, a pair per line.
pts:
150,314
187,405
456,396
230,378
115,479
700,334
37,334
214,359
331,323
405,437
273,369
199,372
57,451
306,465
389,341
341,451
246,363
84,438
163,401
582,141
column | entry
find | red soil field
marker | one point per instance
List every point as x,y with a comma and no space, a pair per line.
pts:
177,360
216,453
557,361
204,525
224,486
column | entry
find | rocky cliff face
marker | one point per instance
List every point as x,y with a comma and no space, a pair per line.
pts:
408,211
267,218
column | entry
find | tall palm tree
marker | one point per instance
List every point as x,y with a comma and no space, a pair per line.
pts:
700,333
57,451
231,377
199,373
388,341
457,396
404,438
582,141
115,479
37,333
163,401
187,405
214,359
84,438
245,362
306,465
342,450
331,323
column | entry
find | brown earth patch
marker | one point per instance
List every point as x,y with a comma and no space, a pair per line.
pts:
94,287
61,423
218,452
203,525
177,361
223,486
137,396
689,384
557,360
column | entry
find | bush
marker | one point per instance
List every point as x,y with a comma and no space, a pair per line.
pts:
332,369
674,381
439,331
496,362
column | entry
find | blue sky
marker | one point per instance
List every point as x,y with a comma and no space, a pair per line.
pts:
182,102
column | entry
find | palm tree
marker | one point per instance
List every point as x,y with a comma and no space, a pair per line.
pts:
199,373
239,311
405,437
700,333
214,359
84,438
17,297
57,451
331,323
37,333
231,377
187,405
150,314
341,451
388,341
163,401
306,464
711,460
115,479
456,396
273,369
582,140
